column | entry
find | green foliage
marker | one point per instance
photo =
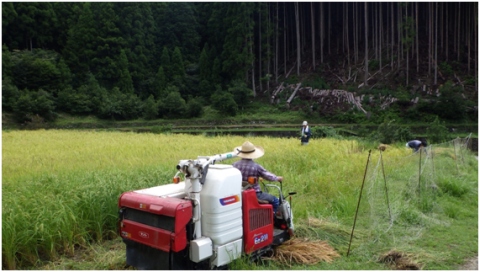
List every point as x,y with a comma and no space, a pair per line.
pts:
292,79
58,46
236,55
241,93
179,31
38,69
408,27
125,83
437,131
166,63
75,101
373,64
204,64
316,83
204,88
161,129
10,94
160,83
446,68
451,105
324,131
173,105
177,66
403,134
120,106
194,108
389,132
224,103
453,187
349,117
34,103
150,108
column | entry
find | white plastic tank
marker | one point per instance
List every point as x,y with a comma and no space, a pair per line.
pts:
221,204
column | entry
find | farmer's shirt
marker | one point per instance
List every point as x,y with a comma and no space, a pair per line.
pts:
414,144
305,130
249,168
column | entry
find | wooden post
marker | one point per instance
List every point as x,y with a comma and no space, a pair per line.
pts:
386,189
419,173
358,204
455,151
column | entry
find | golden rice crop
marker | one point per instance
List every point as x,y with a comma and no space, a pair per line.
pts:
60,188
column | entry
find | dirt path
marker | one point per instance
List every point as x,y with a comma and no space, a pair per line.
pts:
471,264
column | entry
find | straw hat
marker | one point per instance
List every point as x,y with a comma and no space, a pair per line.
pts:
249,151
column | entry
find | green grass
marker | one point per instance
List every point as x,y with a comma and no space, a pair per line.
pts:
60,192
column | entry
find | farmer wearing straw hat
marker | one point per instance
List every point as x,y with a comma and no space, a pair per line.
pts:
305,133
253,170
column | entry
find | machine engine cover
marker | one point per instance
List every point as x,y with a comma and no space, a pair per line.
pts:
155,221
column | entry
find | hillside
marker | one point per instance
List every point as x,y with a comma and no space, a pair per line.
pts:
343,62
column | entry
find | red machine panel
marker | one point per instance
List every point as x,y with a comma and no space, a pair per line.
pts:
154,221
257,222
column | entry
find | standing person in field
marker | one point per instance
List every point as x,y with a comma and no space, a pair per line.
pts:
250,169
416,144
306,133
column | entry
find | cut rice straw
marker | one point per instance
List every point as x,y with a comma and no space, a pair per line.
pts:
303,251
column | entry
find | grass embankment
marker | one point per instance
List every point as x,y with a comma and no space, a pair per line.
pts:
60,192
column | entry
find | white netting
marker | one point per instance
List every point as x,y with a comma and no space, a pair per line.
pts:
404,190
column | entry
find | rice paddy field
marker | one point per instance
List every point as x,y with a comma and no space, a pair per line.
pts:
375,209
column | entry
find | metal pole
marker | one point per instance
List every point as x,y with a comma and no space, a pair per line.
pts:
419,172
358,204
455,151
386,189
433,164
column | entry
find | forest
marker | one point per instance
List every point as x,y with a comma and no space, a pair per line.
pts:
167,60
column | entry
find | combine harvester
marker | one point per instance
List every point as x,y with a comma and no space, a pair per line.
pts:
205,221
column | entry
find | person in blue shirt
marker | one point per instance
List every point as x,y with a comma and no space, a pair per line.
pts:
416,144
306,133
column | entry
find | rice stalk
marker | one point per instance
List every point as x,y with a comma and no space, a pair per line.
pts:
303,251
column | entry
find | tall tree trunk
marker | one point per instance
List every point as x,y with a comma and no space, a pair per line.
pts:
375,29
253,68
297,23
416,37
446,33
436,43
475,41
392,33
357,25
329,31
468,39
458,33
407,44
441,25
260,48
322,31
313,35
347,34
381,36
430,31
276,45
399,34
366,45
268,48
284,41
